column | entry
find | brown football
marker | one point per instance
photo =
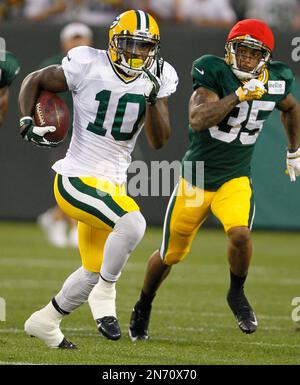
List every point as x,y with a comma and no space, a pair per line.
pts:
51,110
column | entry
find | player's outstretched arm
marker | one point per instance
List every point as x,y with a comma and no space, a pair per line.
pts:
290,117
50,78
157,123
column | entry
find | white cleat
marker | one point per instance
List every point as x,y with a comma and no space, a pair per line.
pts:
44,324
46,330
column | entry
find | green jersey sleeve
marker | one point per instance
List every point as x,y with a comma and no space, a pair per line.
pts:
280,72
9,69
290,78
205,72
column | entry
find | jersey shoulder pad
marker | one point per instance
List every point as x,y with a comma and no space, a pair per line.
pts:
169,80
83,55
168,68
207,61
281,70
77,64
206,72
169,72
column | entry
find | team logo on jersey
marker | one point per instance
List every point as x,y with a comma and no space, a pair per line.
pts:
276,87
201,72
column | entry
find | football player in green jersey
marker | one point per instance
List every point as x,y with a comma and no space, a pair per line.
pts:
231,100
9,69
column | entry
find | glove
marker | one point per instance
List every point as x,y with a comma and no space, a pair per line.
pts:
254,89
153,82
293,164
35,134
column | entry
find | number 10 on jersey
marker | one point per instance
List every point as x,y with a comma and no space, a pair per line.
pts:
125,104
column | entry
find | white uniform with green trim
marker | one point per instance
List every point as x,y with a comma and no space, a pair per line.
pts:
108,115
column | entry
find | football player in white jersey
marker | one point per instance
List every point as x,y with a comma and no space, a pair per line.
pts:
115,93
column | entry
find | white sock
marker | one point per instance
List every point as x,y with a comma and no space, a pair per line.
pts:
102,299
51,314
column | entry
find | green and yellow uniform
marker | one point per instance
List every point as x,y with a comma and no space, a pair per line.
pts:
222,185
226,149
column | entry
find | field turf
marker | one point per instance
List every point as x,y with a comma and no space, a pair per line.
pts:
191,321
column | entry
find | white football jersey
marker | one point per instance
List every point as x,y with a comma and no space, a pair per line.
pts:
108,114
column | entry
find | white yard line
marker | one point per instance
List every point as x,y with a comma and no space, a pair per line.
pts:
28,283
37,262
19,363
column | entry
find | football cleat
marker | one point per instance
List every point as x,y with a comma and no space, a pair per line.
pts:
243,312
138,326
47,330
65,344
109,327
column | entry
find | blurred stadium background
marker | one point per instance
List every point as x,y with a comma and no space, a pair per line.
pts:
201,326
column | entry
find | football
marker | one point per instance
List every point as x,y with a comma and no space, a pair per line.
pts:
51,110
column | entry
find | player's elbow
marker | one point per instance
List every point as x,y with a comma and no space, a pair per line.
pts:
31,80
157,144
157,138
39,77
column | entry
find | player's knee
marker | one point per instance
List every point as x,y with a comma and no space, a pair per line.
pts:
239,236
91,277
133,226
173,257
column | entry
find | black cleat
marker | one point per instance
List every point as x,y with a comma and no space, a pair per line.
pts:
243,312
65,344
138,326
109,327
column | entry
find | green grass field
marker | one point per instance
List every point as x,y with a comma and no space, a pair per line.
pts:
191,321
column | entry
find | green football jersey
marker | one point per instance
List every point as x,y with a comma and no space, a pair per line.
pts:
9,68
226,149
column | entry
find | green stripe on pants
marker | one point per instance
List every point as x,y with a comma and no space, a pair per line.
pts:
80,205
